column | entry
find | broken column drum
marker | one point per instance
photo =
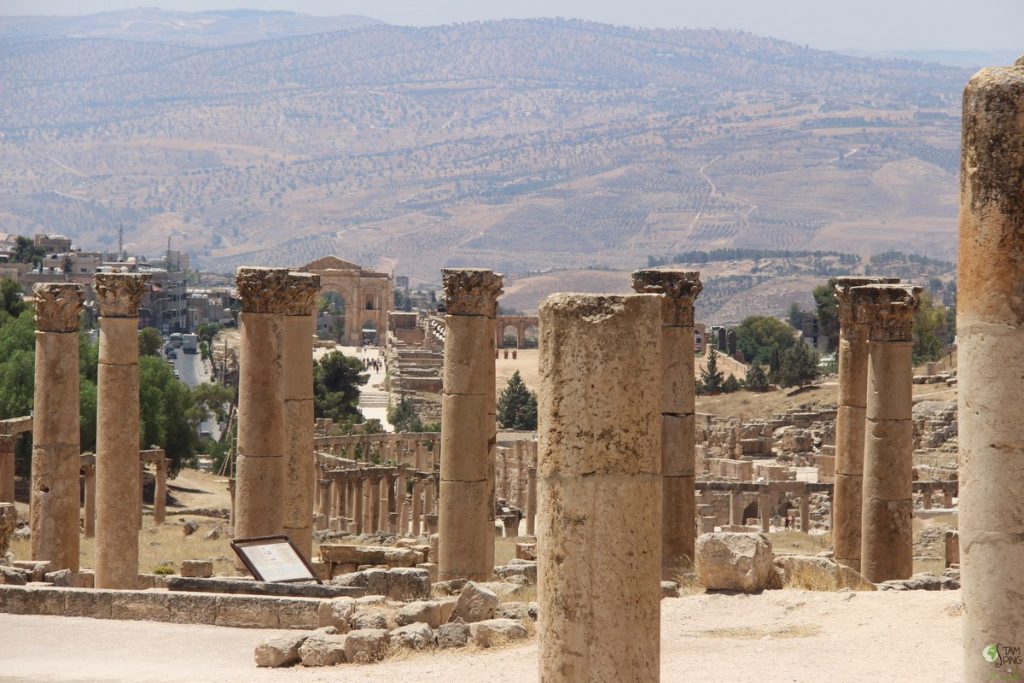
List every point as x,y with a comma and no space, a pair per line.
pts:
990,336
678,290
55,426
259,501
599,484
466,544
887,550
298,326
854,327
118,494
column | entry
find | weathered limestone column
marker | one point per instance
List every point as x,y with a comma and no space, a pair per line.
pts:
854,327
428,496
55,439
357,504
118,494
764,511
323,519
384,501
259,500
160,492
7,444
805,513
599,525
887,536
403,519
734,509
299,464
531,501
926,497
89,504
417,506
678,290
990,334
466,545
368,512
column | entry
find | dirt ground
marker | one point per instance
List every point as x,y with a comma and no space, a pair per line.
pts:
784,635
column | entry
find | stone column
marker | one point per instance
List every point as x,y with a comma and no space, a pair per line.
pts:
531,501
118,494
55,440
734,509
599,526
160,492
7,444
428,496
466,546
805,513
369,518
417,507
384,502
887,536
926,497
323,520
403,519
854,327
259,503
357,504
678,290
89,507
990,334
299,462
764,512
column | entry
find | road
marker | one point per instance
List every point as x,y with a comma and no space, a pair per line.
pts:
193,371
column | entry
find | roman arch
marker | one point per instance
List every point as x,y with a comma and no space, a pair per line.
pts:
368,296
507,323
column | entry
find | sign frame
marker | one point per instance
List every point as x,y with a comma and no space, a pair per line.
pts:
239,545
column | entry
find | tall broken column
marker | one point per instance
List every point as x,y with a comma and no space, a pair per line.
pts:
854,327
55,436
466,544
887,550
298,326
990,336
259,477
599,480
678,290
118,495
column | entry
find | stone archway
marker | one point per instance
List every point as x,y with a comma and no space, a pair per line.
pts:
750,512
369,334
333,313
530,336
510,337
368,296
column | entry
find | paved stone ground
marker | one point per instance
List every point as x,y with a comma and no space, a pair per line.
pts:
776,636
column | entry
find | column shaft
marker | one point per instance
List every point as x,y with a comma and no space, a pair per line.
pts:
7,444
89,507
599,524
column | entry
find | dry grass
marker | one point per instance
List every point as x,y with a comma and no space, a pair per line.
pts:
799,543
505,550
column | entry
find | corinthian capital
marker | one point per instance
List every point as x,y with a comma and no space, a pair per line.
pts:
119,294
303,288
263,290
848,315
680,289
891,309
57,306
471,291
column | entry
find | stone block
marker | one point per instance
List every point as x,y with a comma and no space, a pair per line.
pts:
811,572
454,634
492,632
366,645
431,568
140,606
408,583
201,569
734,561
526,551
342,553
192,609
297,613
322,649
420,611
512,610
415,636
475,603
369,618
279,650
245,612
336,613
88,603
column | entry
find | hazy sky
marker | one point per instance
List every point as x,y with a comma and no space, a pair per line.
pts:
828,24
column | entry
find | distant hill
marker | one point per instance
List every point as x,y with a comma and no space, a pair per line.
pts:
215,27
525,146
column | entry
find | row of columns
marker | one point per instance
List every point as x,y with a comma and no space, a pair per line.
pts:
386,448
873,509
366,501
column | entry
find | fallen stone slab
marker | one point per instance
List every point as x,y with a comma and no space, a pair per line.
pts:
493,632
813,572
279,650
366,645
735,561
417,636
296,590
344,553
323,649
475,603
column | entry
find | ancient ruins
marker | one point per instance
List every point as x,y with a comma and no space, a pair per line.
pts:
624,496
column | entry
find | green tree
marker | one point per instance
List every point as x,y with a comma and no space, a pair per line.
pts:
828,313
796,315
403,416
758,336
931,329
711,378
731,384
336,382
799,366
150,341
11,298
25,251
164,413
517,405
757,378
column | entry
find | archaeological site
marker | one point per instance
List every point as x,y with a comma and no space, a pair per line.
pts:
331,474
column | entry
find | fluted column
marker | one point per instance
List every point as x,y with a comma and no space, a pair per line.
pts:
259,500
466,544
55,439
299,462
854,328
990,336
887,550
118,494
679,290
